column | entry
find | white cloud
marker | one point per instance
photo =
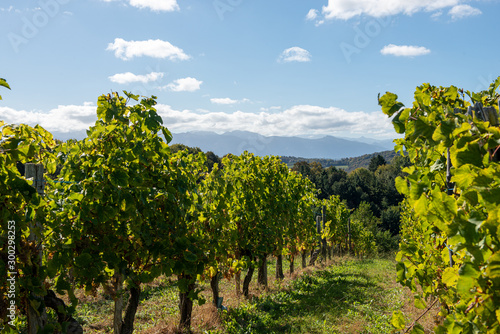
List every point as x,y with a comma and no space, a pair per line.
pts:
65,119
128,77
461,11
404,50
225,100
7,9
295,121
347,9
295,54
312,15
436,15
270,108
184,85
156,5
127,50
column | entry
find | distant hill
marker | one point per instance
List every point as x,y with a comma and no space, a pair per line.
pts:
236,142
348,164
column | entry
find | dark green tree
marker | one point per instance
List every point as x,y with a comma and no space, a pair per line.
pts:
212,159
375,162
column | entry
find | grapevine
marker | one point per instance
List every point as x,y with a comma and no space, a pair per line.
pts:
450,236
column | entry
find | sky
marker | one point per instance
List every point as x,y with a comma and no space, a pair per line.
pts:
277,67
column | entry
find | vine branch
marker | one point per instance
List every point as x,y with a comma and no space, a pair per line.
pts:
420,316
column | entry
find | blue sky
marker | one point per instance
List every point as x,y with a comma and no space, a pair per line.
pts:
308,68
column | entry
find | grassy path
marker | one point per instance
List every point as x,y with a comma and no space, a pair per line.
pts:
350,297
344,296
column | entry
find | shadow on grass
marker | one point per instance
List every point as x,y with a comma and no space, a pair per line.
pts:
322,297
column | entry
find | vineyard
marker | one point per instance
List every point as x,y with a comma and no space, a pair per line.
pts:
118,210
112,213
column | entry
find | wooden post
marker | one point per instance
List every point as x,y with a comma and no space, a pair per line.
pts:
349,235
237,280
318,230
35,171
449,191
214,284
323,241
36,318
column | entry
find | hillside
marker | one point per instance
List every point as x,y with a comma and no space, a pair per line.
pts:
348,164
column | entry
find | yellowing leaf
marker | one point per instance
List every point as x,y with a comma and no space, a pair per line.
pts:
398,320
450,277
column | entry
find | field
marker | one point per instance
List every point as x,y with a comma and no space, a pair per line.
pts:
344,295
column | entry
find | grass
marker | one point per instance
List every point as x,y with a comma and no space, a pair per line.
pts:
350,297
346,295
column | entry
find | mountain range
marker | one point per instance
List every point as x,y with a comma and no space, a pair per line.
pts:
236,142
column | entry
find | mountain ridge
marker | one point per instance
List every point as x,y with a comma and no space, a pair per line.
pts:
236,142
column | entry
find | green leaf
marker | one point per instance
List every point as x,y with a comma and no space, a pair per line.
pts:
464,176
422,95
399,120
469,154
118,178
423,129
419,303
4,83
491,198
398,320
401,271
131,96
401,185
166,134
444,206
464,286
451,93
103,106
190,257
76,197
127,203
493,269
389,104
468,270
84,260
443,133
418,329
